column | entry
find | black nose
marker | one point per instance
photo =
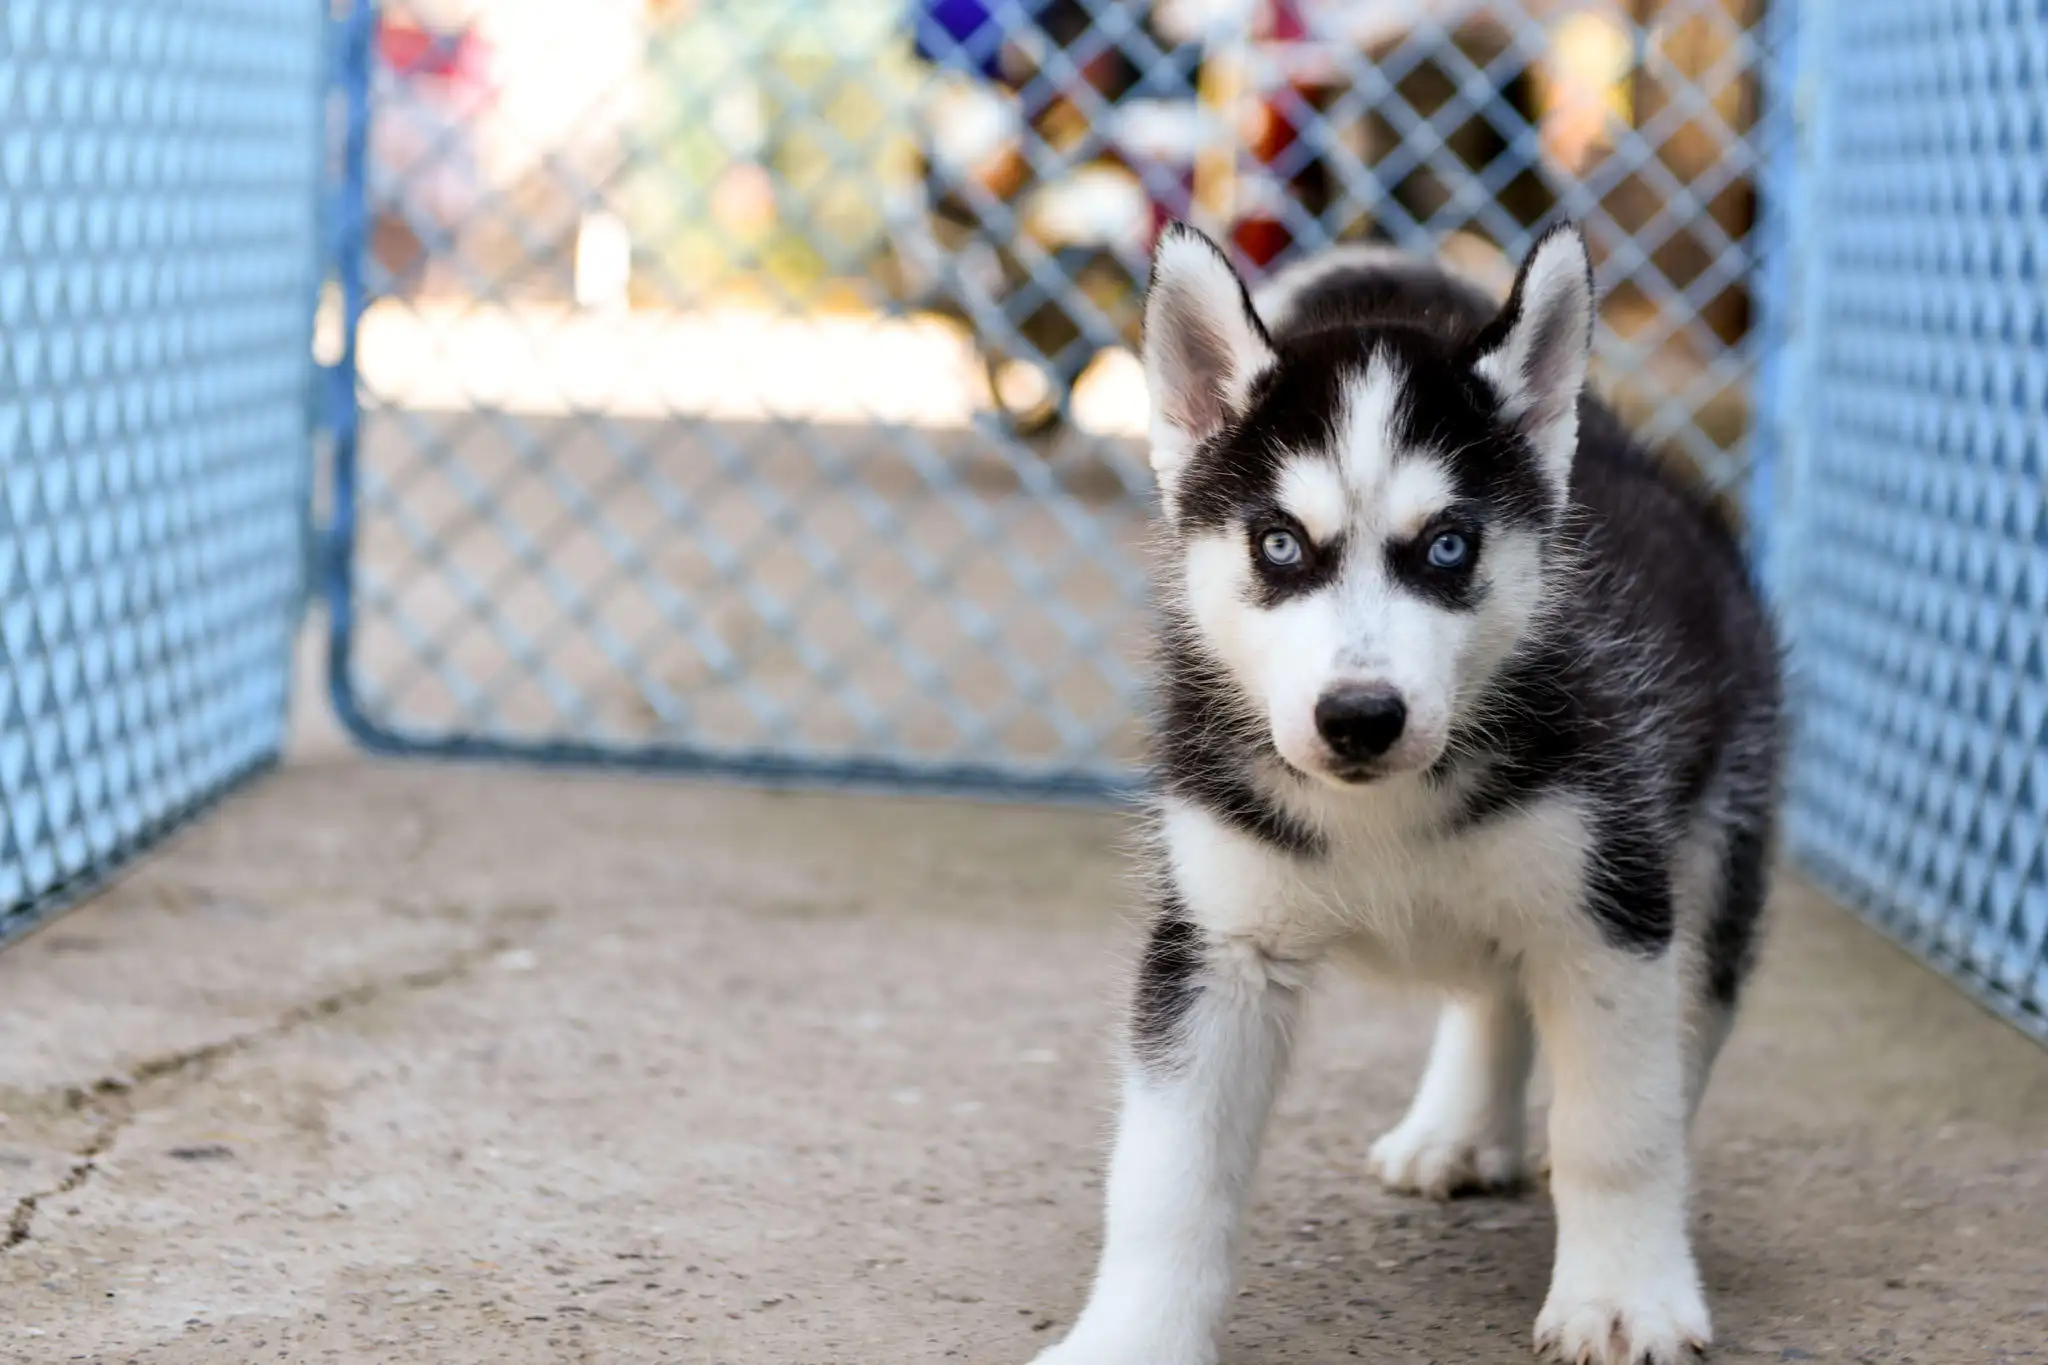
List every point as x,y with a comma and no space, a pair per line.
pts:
1360,720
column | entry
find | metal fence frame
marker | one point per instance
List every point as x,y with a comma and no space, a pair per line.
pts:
764,767
121,718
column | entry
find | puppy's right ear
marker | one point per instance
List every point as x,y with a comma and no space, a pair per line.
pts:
1203,347
1534,353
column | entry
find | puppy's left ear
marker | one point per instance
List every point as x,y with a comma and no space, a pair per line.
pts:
1534,353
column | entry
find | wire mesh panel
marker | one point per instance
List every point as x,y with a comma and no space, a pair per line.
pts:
158,172
749,385
1911,509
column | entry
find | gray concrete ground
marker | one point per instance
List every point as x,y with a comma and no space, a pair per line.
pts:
416,1063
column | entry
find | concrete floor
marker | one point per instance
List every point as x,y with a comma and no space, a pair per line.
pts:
414,1063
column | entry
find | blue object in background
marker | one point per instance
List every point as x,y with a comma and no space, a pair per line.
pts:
967,35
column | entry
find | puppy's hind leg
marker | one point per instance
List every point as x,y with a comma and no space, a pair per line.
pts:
1467,1127
1734,913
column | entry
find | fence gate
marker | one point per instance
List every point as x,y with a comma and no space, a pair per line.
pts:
159,166
746,385
1910,503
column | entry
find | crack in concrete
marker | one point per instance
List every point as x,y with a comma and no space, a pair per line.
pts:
114,1096
21,1222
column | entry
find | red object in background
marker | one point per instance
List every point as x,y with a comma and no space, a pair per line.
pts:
413,53
423,163
1259,238
1284,23
1262,238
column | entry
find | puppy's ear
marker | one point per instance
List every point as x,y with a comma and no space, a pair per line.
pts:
1534,353
1203,347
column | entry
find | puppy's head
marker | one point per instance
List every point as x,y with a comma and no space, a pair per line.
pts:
1360,514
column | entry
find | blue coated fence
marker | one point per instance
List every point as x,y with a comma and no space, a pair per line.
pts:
1909,504
158,173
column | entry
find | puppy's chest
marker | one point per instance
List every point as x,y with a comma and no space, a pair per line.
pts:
1409,896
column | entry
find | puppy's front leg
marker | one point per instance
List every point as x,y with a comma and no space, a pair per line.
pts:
1625,1289
1209,1044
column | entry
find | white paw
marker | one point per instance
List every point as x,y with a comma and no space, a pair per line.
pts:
1423,1158
1090,1348
1660,1324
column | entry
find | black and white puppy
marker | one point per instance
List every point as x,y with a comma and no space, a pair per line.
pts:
1454,685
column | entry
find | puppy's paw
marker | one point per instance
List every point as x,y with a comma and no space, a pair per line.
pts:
1114,1332
1425,1158
1648,1324
1093,1348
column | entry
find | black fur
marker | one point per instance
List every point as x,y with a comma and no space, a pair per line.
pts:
1731,938
1628,887
1168,983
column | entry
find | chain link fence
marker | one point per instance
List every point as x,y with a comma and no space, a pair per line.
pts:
749,386
159,167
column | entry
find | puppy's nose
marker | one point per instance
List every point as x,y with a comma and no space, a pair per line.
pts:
1360,721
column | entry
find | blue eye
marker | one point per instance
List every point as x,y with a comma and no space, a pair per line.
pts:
1449,551
1280,547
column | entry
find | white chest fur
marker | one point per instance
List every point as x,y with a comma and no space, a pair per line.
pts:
1393,891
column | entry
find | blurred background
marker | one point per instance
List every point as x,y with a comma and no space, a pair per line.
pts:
756,380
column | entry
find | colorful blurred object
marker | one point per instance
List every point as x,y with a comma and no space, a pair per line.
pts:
767,139
1047,147
425,179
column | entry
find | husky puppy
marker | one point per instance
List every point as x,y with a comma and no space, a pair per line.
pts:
1457,686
